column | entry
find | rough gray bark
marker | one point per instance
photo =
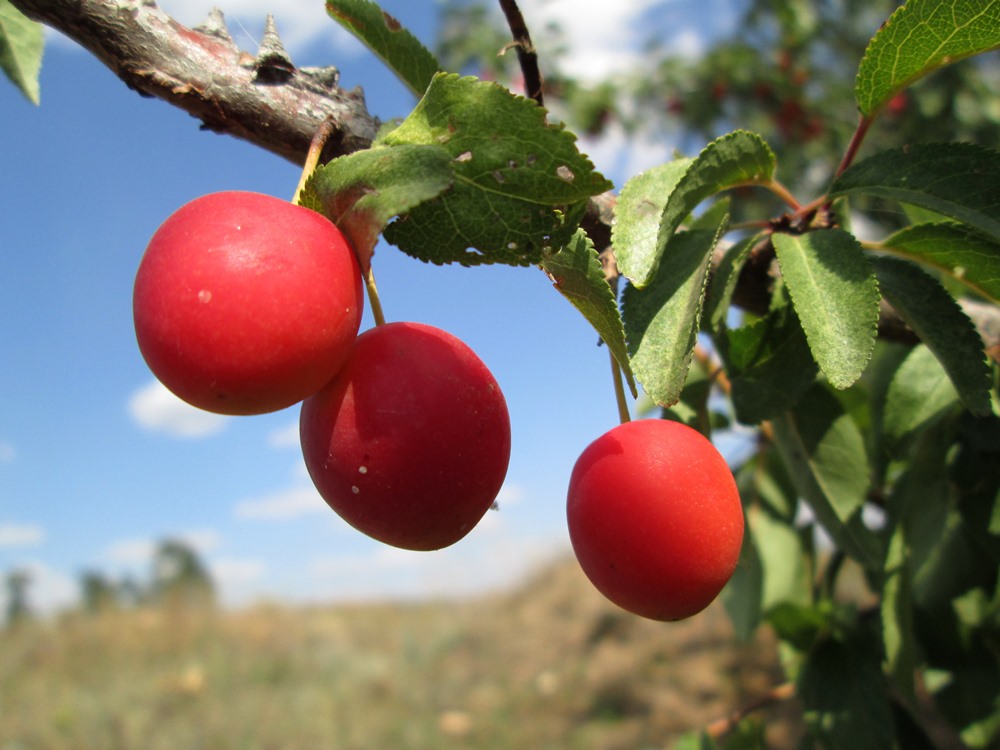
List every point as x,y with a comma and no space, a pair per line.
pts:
262,98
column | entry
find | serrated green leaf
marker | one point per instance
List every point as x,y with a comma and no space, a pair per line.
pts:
769,365
958,180
952,249
939,322
662,320
824,453
361,192
919,38
836,299
692,407
521,185
578,275
739,158
742,595
22,42
722,283
402,52
639,210
919,392
844,696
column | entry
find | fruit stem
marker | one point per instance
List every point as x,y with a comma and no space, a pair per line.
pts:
616,377
373,299
319,139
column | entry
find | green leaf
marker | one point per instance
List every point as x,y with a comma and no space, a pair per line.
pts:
937,319
824,453
662,321
919,392
362,191
768,364
402,52
958,180
954,250
836,299
22,42
844,696
722,283
919,38
577,273
742,595
739,158
896,607
638,212
521,185
800,625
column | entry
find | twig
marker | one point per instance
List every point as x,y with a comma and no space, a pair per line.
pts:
723,726
526,55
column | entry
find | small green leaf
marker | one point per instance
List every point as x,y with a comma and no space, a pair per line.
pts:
769,365
402,52
958,180
739,158
952,249
937,319
638,212
22,42
844,696
662,321
578,275
836,299
521,185
918,393
897,615
919,38
824,453
362,191
742,595
722,283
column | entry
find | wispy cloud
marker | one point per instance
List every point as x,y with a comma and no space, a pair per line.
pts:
285,437
21,535
280,506
7,452
156,409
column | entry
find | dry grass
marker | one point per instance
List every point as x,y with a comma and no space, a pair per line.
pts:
551,665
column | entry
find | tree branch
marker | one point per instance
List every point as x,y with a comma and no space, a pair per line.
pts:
262,98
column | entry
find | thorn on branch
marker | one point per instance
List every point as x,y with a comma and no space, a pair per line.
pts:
272,64
215,26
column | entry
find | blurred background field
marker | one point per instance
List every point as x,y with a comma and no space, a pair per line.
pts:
549,664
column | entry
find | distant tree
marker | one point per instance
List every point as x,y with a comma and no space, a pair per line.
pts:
18,608
179,577
98,593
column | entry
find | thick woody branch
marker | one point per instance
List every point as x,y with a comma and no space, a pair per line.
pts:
262,98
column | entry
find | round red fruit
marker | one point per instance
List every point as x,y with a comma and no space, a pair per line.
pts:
410,442
245,303
655,518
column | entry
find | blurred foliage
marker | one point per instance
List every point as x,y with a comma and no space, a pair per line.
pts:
787,73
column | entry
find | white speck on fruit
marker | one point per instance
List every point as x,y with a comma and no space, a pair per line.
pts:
354,489
205,296
362,470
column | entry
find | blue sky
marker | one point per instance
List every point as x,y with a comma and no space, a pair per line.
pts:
97,463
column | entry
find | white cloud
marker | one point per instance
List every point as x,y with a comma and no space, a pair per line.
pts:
7,452
156,409
291,503
604,39
285,437
21,535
